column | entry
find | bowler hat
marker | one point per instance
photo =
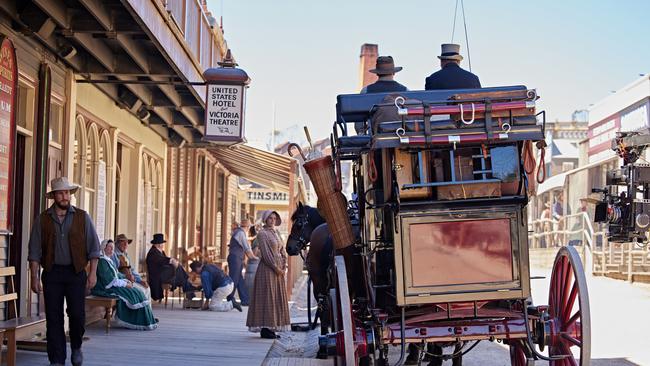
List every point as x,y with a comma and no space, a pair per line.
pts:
385,66
61,184
123,237
158,239
450,51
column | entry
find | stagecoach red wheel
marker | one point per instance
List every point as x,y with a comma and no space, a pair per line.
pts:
517,354
570,321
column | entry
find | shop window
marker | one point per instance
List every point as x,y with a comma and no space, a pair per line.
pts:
56,121
25,115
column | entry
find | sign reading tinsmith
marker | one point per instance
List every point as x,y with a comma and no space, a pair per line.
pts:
224,112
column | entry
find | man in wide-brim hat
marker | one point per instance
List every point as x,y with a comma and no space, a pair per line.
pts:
451,75
63,241
123,264
385,70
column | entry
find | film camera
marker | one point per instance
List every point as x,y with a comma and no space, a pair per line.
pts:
625,205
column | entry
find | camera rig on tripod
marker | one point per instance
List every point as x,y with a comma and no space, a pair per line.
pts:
627,211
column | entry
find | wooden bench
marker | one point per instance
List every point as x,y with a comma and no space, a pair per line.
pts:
107,303
20,327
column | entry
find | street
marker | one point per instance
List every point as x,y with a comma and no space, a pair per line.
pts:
617,331
618,323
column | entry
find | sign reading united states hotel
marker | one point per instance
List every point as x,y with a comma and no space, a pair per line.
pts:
225,106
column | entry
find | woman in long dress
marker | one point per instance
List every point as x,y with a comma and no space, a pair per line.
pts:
133,309
269,308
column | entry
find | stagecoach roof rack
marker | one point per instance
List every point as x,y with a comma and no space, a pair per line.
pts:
438,117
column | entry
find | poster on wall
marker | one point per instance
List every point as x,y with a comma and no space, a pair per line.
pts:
8,95
100,222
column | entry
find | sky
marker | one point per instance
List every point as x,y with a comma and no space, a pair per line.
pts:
301,54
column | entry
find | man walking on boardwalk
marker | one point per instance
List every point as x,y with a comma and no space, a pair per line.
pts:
237,250
63,240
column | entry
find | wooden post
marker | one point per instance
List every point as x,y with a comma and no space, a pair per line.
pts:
629,261
292,205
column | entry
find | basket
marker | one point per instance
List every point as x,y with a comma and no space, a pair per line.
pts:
331,202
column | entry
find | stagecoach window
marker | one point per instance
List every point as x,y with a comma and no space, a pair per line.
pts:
505,163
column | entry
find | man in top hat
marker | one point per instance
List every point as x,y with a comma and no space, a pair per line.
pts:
163,269
123,264
63,241
451,75
385,70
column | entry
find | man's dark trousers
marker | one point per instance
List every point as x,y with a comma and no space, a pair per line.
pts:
59,283
235,266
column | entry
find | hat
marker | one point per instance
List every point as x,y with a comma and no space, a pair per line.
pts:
385,66
61,184
450,51
158,239
123,237
267,213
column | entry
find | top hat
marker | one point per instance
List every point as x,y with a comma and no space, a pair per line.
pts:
123,237
61,184
158,239
385,66
450,51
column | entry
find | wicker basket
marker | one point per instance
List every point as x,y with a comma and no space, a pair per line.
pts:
331,202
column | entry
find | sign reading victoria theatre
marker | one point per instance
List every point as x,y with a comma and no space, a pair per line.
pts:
225,102
224,111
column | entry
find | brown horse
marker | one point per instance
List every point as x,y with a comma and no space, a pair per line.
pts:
309,229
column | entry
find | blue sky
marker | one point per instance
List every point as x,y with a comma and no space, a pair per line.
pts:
301,54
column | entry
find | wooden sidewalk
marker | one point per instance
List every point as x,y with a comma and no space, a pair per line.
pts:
184,337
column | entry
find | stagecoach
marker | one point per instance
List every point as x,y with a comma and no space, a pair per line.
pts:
432,249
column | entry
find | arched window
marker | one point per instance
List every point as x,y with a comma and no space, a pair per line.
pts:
90,177
104,165
157,197
78,158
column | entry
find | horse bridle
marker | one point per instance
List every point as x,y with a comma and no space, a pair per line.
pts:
302,221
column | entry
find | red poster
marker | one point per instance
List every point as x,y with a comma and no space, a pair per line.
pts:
8,94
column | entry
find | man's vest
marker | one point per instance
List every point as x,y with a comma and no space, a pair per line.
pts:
76,238
235,247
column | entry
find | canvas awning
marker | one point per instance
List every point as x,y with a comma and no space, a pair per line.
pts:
266,168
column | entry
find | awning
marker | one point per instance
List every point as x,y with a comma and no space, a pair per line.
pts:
266,168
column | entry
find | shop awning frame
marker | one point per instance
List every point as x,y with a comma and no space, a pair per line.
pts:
269,169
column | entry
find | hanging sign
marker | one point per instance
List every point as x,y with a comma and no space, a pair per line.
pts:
224,112
8,97
225,102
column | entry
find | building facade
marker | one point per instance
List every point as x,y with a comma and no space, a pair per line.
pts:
102,98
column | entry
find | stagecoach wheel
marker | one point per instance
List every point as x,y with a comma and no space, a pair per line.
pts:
570,320
344,313
517,354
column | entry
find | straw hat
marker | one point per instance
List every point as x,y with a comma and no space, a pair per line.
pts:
61,184
123,237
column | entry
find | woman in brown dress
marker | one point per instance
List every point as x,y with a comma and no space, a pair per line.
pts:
269,308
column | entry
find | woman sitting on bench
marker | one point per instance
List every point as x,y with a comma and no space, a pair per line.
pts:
133,309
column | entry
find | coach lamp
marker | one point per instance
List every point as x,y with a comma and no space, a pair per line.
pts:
225,102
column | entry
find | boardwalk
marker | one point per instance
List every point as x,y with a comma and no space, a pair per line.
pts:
185,337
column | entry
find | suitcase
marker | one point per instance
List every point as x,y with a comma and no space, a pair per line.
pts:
407,172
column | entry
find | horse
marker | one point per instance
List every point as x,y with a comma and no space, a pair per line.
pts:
310,229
